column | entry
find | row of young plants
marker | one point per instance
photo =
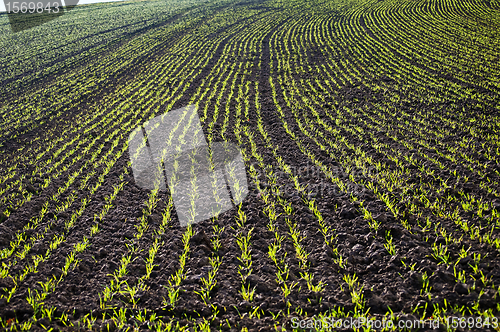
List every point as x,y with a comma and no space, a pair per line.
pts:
103,71
290,79
299,100
53,49
244,240
105,124
224,77
175,280
273,194
317,92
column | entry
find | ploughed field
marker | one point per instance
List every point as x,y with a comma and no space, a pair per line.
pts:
369,132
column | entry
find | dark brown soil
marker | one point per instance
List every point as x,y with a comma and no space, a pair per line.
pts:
387,283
